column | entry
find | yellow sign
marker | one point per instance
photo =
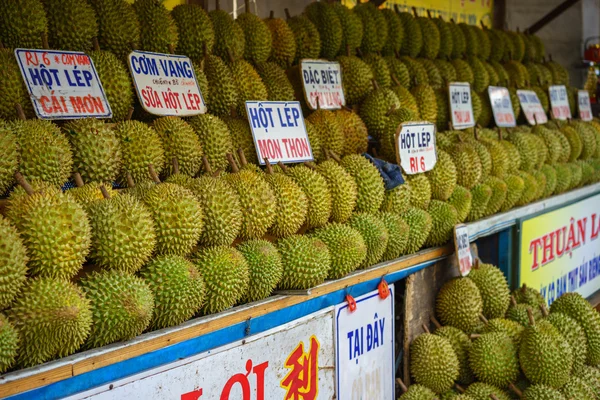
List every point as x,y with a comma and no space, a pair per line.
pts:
168,3
560,250
472,12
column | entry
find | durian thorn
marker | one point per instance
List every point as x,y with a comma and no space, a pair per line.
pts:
396,81
282,166
206,164
268,165
544,310
500,133
153,173
477,263
171,48
20,112
530,316
435,322
335,157
234,167
272,14
78,180
402,385
474,336
247,6
242,157
391,110
130,114
175,165
105,193
95,44
483,319
515,389
425,328
524,288
23,183
429,14
130,182
459,388
414,10
45,41
513,301
349,109
310,165
375,85
475,132
287,14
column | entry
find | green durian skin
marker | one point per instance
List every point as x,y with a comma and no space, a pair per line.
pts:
219,76
397,200
258,37
428,350
459,304
369,182
158,30
9,344
308,40
461,343
181,143
343,190
265,268
118,27
482,391
23,24
306,262
13,88
444,217
62,16
375,28
420,224
229,36
577,388
494,290
325,19
276,81
9,162
316,189
284,42
13,265
493,359
536,392
215,139
574,335
195,30
398,231
346,246
292,205
375,235
357,77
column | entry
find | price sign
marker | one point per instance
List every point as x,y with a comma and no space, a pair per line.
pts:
166,84
322,84
279,131
559,102
415,147
502,107
461,107
585,109
63,84
532,107
462,245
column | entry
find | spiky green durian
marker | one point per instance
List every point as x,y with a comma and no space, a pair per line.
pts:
375,235
591,375
398,231
342,188
433,362
443,109
482,193
397,200
306,262
264,267
180,142
158,31
499,157
444,216
473,47
520,313
275,80
308,40
458,40
417,73
530,190
375,27
291,204
53,319
587,136
374,110
426,101
196,35
229,36
482,391
461,344
551,179
499,194
9,158
346,246
459,304
493,288
526,146
215,139
443,177
23,24
577,388
431,38
467,163
62,16
398,72
329,130
574,335
511,328
576,174
541,392
13,266
396,35
434,77
14,91
140,147
352,28
329,26
418,392
420,224
414,37
464,73
241,138
379,68
408,100
560,75
461,199
515,186
497,44
513,155
493,359
89,193
356,135
447,70
494,79
220,76
248,84
118,27
316,189
357,80
257,35
368,180
9,344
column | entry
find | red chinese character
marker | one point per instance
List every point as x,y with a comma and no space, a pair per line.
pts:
302,381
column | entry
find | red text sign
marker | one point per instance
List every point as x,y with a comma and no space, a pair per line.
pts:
461,107
502,107
415,147
462,245
532,107
322,83
559,102
585,109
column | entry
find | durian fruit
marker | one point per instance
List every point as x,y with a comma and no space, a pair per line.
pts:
395,37
493,76
443,109
477,107
23,24
257,37
328,129
460,344
526,145
178,289
352,28
121,304
459,41
511,328
347,248
229,36
446,69
388,139
369,183
248,83
375,235
434,77
576,174
530,189
265,268
517,74
180,142
195,30
551,179
62,16
158,30
443,177
54,229
374,110
493,359
308,40
577,388
591,375
408,100
499,157
356,136
563,177
380,70
426,101
417,73
397,200
14,91
276,82
418,392
215,138
560,75
459,304
413,43
461,199
499,194
118,27
123,236
494,290
444,216
431,38
482,391
44,151
9,158
398,232
96,150
497,43
241,139
357,81
398,72
484,157
327,22
574,335
88,194
140,147
552,142
482,195
515,186
306,262
220,76
467,163
540,178
313,139
433,362
202,80
375,27
9,344
342,188
316,189
13,269
535,392
53,319
446,41
588,140
520,313
420,224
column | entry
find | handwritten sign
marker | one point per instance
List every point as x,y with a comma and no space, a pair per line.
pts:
559,102
461,107
502,107
279,131
462,245
585,109
322,84
63,84
415,147
166,84
532,107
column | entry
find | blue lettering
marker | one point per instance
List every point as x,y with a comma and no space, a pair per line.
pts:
350,334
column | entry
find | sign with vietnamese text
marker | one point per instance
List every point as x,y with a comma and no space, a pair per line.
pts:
166,84
365,348
502,107
292,361
532,107
322,84
415,147
63,84
462,246
279,131
559,102
560,250
585,109
461,107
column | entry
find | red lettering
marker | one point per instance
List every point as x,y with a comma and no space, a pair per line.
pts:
43,101
561,249
595,228
548,251
271,149
581,225
533,247
195,395
31,58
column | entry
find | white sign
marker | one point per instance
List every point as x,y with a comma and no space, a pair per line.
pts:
292,361
63,84
461,107
322,84
279,131
166,84
532,107
559,101
585,109
365,348
415,147
462,245
502,107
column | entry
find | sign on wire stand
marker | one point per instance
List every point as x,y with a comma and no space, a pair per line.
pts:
585,109
292,361
502,107
462,246
415,147
322,84
279,132
559,102
166,84
63,84
365,348
532,107
461,106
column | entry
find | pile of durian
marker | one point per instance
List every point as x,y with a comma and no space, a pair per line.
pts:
491,344
173,218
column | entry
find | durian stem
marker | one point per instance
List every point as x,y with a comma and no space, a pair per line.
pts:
217,5
230,56
247,6
425,328
396,8
335,157
493,396
175,165
171,48
375,85
78,180
348,51
544,310
345,107
530,315
500,132
428,13
130,113
153,173
374,151
515,389
459,388
435,322
287,14
96,44
318,103
130,182
217,173
475,132
242,156
309,165
268,165
234,167
414,10
524,288
20,112
476,266
1,45
391,110
482,25
282,166
483,319
272,14
45,41
474,336
206,165
359,52
104,192
23,183
402,385
513,301
395,80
